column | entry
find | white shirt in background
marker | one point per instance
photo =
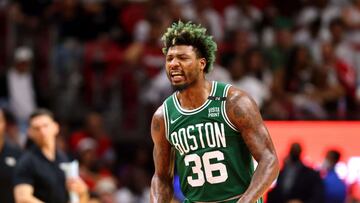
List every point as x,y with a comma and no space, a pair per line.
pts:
21,94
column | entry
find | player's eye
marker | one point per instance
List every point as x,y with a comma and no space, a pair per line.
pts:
168,59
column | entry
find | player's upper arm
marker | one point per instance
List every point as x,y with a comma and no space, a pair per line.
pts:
162,148
244,114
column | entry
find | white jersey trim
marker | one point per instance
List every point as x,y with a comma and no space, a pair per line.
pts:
224,114
166,120
197,110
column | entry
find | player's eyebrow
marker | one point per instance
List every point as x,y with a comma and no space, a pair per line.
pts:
178,55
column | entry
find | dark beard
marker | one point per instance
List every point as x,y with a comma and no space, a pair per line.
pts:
180,87
183,86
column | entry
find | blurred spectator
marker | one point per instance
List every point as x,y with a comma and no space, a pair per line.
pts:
69,14
219,73
328,89
335,188
351,17
95,137
91,169
96,20
243,79
298,85
338,39
322,9
258,78
297,182
102,59
309,36
239,42
30,26
278,56
9,155
279,53
158,89
67,80
105,189
112,9
131,14
20,88
135,187
135,177
241,15
152,59
31,18
158,17
202,12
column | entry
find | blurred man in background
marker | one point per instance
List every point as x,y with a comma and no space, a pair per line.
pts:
38,176
335,188
297,183
9,155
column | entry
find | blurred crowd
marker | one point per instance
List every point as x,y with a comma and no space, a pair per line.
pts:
98,65
298,183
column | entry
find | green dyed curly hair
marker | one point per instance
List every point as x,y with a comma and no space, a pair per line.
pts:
194,35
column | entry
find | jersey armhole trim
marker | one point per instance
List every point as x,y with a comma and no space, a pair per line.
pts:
224,114
166,120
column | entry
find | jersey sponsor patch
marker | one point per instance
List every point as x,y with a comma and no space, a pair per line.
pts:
213,112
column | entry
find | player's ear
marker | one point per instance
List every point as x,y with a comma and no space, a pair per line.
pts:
202,63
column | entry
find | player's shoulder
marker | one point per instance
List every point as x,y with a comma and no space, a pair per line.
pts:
236,93
239,98
159,113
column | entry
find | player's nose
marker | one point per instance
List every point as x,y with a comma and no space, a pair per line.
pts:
173,63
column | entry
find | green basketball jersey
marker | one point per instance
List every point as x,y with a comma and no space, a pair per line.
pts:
212,160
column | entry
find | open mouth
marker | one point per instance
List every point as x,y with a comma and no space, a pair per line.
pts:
177,76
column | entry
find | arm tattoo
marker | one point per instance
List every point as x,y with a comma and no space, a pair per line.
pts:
239,106
245,115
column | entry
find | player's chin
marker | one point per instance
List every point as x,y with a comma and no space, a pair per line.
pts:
180,86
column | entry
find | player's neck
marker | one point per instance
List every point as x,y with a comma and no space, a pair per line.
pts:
195,95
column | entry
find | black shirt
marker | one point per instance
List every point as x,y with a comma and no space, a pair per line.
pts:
9,155
46,177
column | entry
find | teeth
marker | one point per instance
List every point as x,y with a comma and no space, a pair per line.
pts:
176,74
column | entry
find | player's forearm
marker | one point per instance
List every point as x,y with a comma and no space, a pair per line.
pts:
161,190
265,173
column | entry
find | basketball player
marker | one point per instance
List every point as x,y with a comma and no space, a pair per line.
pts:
209,129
